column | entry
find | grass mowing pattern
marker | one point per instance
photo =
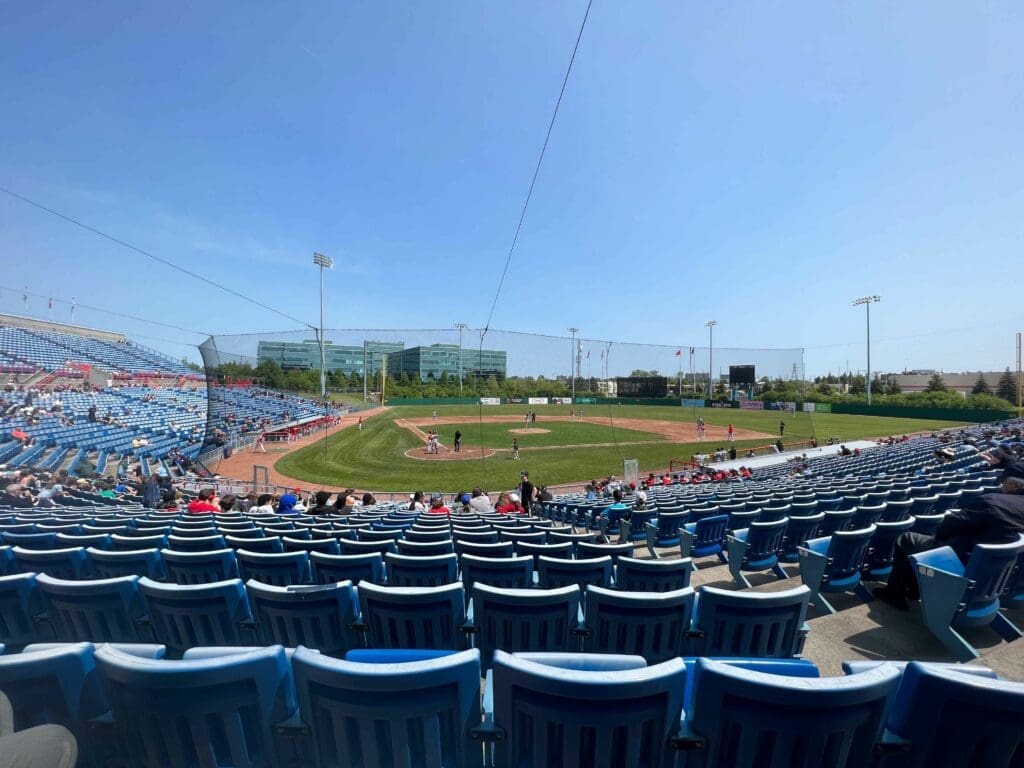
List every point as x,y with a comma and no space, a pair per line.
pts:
561,433
374,458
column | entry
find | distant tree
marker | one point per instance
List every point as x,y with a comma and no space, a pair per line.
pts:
191,366
824,388
936,384
981,386
892,387
858,386
1007,387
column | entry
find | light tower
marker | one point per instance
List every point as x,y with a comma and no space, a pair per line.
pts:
710,325
867,301
323,261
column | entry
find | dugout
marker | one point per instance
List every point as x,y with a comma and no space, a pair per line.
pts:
642,386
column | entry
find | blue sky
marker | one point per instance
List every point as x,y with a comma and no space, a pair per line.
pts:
760,164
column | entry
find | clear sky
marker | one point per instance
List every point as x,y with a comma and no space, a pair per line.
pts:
761,164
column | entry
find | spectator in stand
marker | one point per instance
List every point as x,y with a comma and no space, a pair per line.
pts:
545,494
169,500
526,490
264,504
416,502
320,505
204,503
151,492
616,504
591,491
16,496
227,502
437,505
369,500
286,504
480,501
300,502
50,495
508,504
641,496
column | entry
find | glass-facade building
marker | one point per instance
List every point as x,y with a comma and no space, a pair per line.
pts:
305,355
437,359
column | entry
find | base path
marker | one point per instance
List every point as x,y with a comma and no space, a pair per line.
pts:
240,465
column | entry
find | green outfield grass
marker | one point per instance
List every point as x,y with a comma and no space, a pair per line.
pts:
374,458
559,433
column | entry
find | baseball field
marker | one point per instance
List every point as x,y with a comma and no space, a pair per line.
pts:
390,451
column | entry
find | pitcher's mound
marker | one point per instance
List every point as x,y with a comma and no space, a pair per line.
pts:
529,431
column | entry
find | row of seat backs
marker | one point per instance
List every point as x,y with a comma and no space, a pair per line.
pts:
327,617
232,706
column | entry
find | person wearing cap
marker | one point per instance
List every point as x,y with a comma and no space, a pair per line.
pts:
16,497
992,518
437,505
204,503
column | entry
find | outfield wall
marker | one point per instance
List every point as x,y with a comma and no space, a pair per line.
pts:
858,409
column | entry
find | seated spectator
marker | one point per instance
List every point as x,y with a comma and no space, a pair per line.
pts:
508,504
616,504
369,500
320,505
286,504
437,505
227,502
545,494
16,496
416,502
264,504
480,501
169,499
300,504
204,503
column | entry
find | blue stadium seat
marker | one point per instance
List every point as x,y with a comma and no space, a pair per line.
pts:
652,625
703,538
413,617
421,570
100,611
199,712
586,551
131,543
255,544
320,617
35,541
328,569
838,520
57,684
638,520
562,549
425,548
280,569
757,549
545,716
184,616
834,564
71,563
20,604
200,567
751,624
326,546
942,716
744,717
367,547
879,555
427,535
664,575
502,549
96,540
525,620
196,543
507,572
555,572
417,713
139,562
799,530
954,596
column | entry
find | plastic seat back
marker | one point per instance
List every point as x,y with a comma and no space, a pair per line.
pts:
121,543
652,625
71,563
989,571
196,543
349,547
506,572
757,624
327,546
112,564
421,571
555,572
185,616
35,541
635,575
214,711
426,548
839,520
320,617
200,567
502,549
525,620
867,514
415,713
950,718
413,617
847,553
553,716
879,555
279,569
667,534
328,569
614,551
764,540
255,544
799,530
20,603
99,611
744,717
709,533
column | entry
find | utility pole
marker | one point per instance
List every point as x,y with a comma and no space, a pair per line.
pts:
322,261
710,325
867,301
572,362
462,327
366,371
1020,389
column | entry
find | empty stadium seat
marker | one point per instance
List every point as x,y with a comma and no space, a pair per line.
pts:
184,616
140,562
413,617
557,572
507,572
200,567
328,569
652,625
320,616
280,569
664,575
71,563
757,549
98,611
750,624
834,564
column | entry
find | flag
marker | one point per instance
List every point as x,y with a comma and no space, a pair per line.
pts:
679,352
588,354
691,350
50,304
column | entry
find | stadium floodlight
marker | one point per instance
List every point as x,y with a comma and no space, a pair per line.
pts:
322,261
867,301
710,325
462,327
572,361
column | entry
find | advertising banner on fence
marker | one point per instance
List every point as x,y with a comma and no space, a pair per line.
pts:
689,402
585,400
823,407
561,401
809,407
490,401
721,405
537,400
515,400
751,405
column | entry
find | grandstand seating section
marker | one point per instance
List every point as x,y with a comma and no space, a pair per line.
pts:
254,639
167,417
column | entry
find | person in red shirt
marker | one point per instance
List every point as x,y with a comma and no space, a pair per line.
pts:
206,502
437,506
508,504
